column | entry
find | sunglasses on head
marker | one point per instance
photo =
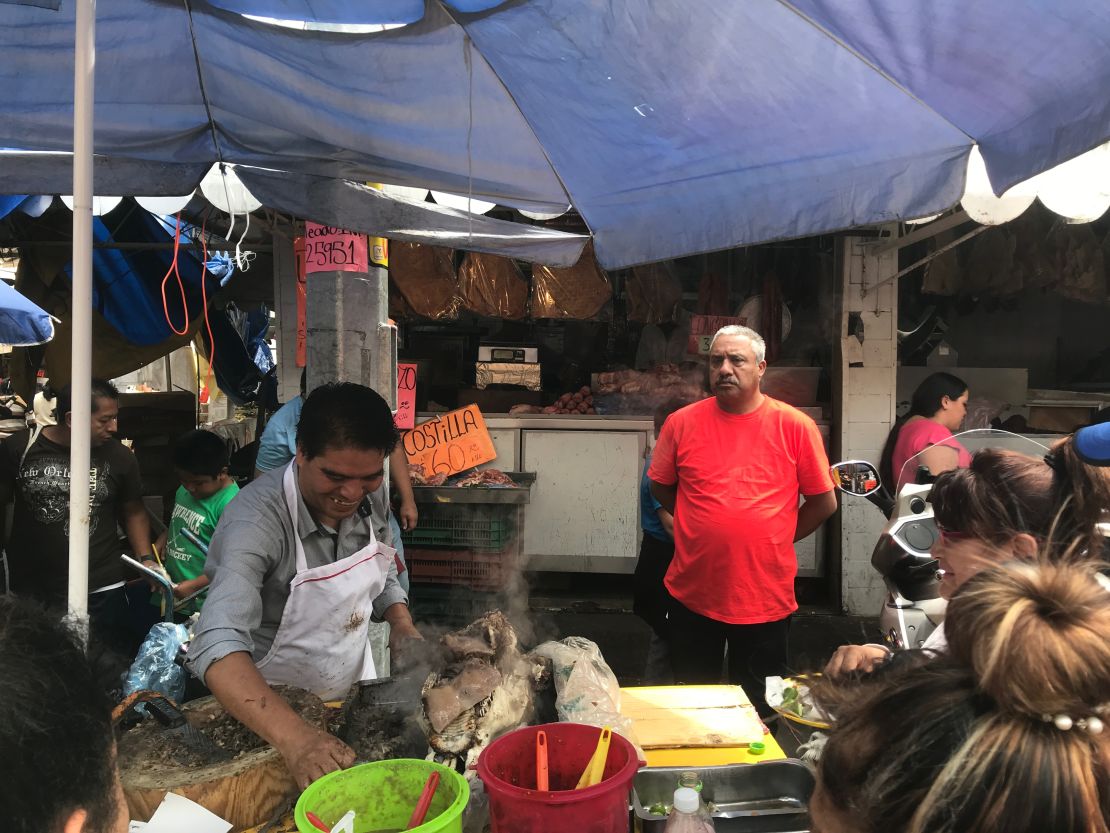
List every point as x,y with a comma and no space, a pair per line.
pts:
951,536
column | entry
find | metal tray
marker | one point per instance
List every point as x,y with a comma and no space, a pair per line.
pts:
768,797
520,493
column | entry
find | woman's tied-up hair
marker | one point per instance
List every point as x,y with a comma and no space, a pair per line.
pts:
969,742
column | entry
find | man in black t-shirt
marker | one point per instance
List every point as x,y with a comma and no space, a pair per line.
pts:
34,472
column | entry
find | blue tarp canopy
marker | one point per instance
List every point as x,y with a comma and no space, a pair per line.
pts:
22,322
673,128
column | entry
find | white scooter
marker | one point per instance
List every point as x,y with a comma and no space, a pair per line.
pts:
913,607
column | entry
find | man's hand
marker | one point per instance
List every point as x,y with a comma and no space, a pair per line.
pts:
408,515
313,753
849,658
399,634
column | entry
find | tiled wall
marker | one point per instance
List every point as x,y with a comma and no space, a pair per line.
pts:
867,405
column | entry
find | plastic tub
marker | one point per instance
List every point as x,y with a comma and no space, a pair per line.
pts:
507,767
383,795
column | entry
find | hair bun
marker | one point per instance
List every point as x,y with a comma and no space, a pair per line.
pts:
1036,637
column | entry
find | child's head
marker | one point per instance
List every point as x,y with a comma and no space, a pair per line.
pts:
200,459
665,409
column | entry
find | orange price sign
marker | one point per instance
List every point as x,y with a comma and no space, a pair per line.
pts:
405,417
452,443
331,249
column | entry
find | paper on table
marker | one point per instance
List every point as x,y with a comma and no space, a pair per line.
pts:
177,814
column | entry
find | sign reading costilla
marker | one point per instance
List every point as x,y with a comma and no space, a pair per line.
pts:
451,443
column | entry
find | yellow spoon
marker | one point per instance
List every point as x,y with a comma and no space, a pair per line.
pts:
595,769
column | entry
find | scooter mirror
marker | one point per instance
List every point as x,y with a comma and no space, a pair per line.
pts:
856,477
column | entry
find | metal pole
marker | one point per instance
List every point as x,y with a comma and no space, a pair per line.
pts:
84,67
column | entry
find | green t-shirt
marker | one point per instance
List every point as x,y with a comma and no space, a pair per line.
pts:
182,559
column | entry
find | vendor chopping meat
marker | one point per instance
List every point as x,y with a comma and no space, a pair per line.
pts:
297,575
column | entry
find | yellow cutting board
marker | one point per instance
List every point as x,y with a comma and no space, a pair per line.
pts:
672,717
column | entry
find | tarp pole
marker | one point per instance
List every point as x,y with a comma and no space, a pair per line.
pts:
84,67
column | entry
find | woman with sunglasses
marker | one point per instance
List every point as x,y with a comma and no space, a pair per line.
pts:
1006,506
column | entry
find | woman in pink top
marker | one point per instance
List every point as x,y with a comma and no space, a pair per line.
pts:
936,411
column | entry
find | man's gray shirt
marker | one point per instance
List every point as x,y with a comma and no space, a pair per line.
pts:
252,559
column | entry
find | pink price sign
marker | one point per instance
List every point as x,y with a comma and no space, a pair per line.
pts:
405,417
332,249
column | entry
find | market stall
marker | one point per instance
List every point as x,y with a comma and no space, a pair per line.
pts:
568,366
479,732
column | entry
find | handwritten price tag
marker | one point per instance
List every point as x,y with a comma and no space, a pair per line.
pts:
331,249
455,442
405,418
704,327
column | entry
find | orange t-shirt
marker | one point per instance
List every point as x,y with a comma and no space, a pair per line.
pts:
739,478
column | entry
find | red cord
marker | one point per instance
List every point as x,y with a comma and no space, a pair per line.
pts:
204,296
180,284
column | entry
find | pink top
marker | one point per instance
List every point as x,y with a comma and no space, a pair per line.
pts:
915,437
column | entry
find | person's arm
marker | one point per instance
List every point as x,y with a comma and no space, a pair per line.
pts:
407,514
667,520
401,626
190,586
936,458
814,511
851,658
136,525
240,556
309,751
666,495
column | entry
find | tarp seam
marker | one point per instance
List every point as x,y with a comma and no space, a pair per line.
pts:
570,198
874,67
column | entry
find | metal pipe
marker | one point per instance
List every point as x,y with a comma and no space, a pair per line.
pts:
80,445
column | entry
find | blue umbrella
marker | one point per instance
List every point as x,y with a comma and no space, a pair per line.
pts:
22,323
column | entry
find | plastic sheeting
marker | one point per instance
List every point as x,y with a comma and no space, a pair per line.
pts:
359,208
425,277
581,291
692,126
654,293
493,286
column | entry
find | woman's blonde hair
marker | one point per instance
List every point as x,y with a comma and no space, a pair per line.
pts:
977,741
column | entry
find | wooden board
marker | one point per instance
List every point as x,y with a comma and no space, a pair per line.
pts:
671,717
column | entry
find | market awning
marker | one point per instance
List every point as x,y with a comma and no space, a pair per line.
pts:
672,128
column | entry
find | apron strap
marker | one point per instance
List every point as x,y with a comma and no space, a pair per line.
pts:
289,486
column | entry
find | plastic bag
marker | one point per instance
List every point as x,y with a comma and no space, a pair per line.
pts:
493,286
154,668
581,292
586,689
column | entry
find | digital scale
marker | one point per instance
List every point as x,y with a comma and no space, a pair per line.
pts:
508,354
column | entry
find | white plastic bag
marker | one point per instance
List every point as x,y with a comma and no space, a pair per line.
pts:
586,689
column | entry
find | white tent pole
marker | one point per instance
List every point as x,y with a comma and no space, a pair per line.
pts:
84,67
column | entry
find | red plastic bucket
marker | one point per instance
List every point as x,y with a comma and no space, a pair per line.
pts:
507,767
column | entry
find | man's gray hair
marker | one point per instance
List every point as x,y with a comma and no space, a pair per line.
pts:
759,346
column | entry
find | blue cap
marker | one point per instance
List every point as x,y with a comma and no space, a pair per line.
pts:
1092,444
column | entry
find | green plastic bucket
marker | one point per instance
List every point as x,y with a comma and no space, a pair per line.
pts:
383,795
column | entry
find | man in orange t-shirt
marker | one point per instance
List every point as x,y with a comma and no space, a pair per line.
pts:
730,469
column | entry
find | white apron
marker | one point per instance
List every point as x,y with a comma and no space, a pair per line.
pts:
322,643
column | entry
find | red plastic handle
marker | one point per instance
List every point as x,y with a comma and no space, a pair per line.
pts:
425,801
542,782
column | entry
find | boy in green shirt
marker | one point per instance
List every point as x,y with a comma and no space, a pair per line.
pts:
200,460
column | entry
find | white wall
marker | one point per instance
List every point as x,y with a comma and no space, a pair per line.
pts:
866,405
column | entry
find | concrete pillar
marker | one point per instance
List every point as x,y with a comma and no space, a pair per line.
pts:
285,309
866,402
349,337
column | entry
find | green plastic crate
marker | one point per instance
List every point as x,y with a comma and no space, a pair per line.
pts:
463,526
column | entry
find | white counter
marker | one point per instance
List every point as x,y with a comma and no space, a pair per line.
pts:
584,510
